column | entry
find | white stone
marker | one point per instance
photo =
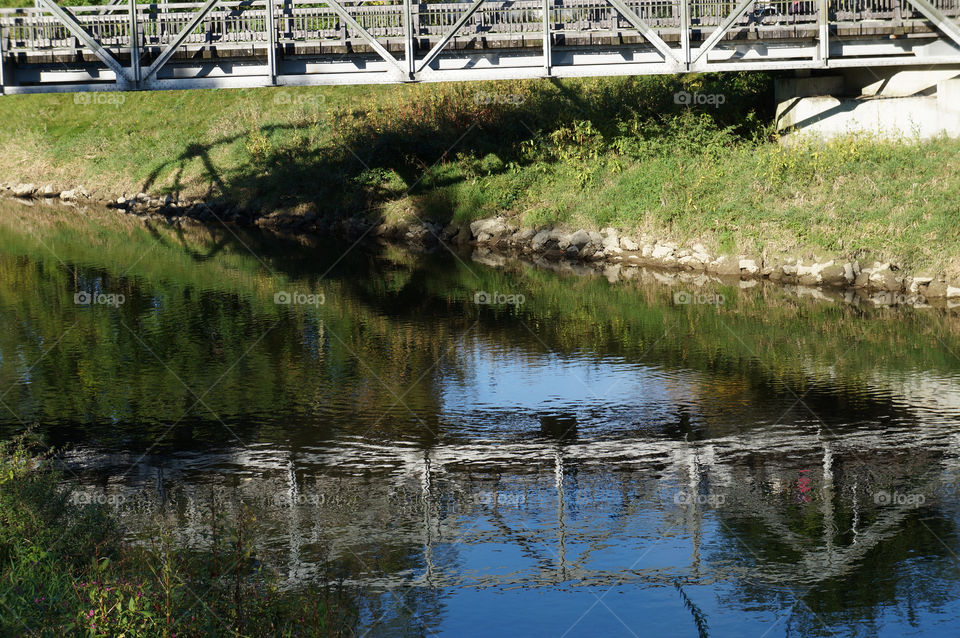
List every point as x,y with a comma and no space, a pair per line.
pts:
878,270
540,240
628,244
661,251
490,226
806,270
610,240
849,273
749,266
702,256
24,190
691,262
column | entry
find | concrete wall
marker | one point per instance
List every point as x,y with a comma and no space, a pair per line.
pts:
888,103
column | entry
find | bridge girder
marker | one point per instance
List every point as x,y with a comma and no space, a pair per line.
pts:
644,50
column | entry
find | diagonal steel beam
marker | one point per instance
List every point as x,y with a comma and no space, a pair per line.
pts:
178,40
950,28
722,29
84,36
376,46
435,51
645,30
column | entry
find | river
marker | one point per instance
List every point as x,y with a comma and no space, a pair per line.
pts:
574,458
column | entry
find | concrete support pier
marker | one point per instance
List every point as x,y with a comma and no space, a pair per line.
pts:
885,102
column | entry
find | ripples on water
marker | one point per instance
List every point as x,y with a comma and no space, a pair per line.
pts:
596,462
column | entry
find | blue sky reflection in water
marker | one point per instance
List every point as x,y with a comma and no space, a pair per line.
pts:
597,461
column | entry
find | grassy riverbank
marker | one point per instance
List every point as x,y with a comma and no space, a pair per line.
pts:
64,571
593,153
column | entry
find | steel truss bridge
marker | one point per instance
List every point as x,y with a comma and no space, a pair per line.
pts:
229,43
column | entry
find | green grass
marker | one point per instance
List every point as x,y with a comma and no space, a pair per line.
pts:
593,153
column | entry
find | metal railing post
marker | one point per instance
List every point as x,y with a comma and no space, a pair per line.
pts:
547,44
3,77
271,41
134,45
823,43
408,43
685,32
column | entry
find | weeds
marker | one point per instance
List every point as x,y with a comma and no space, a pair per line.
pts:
64,570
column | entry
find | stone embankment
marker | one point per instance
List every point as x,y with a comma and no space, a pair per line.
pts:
140,204
604,250
610,247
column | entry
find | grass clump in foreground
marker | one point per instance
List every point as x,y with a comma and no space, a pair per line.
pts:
65,572
588,152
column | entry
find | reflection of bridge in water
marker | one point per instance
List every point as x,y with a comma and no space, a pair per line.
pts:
577,512
223,43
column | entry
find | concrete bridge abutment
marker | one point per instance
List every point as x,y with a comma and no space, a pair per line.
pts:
885,102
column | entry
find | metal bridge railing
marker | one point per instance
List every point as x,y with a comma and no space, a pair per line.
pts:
36,30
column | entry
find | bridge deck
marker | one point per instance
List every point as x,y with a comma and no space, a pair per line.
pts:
233,43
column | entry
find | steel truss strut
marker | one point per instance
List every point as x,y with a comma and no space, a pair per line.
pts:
947,26
669,54
721,30
438,47
363,33
84,36
175,44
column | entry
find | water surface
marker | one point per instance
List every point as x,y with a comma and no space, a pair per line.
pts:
599,460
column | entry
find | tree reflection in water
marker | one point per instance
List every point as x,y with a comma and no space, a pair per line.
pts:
781,463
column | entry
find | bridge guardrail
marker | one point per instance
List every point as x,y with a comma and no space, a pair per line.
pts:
37,30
